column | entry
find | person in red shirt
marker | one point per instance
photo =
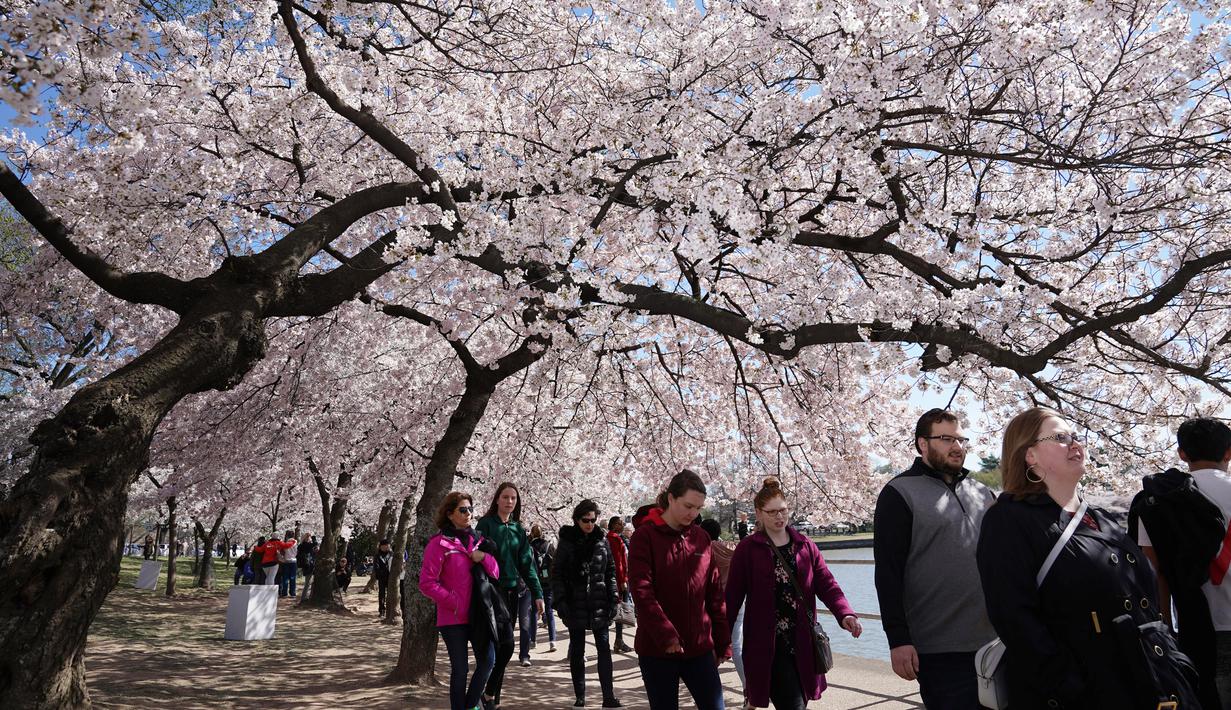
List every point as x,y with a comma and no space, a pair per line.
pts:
269,556
679,600
620,554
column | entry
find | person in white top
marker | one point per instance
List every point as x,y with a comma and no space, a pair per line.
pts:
1205,446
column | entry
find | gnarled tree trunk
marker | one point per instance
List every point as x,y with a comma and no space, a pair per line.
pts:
60,529
172,552
205,573
392,604
382,533
333,511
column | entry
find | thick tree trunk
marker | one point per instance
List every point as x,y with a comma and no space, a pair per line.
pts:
392,605
172,552
333,511
417,656
60,528
205,575
382,533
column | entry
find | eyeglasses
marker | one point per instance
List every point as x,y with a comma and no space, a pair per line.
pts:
588,521
776,512
950,440
464,510
1063,438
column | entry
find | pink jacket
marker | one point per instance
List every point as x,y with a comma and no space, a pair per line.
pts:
445,577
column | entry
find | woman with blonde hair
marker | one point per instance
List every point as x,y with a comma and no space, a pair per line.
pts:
777,574
1085,632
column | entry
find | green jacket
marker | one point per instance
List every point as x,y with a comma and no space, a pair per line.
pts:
512,552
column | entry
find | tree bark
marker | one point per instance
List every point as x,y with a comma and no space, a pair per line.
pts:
392,604
333,511
205,574
61,527
382,533
417,655
172,553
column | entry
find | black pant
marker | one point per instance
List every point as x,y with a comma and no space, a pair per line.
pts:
785,690
662,676
577,661
504,645
382,590
947,681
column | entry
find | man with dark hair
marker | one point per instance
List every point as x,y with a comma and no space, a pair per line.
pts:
1180,521
926,529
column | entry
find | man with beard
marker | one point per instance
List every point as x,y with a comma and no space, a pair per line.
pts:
927,524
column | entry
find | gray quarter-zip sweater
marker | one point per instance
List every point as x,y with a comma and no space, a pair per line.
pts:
927,582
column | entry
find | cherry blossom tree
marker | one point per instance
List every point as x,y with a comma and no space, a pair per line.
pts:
1026,200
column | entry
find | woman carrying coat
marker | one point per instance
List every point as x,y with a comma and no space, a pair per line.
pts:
583,588
445,578
768,565
1090,635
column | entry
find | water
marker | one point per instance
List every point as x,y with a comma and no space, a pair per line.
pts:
857,582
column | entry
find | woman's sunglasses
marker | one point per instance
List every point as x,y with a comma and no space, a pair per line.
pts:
464,510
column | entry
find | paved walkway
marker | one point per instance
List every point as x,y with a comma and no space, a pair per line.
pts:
148,651
854,684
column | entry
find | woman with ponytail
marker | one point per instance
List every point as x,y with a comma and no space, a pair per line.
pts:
682,629
779,662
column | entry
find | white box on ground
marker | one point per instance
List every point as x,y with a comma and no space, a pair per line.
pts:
251,612
151,570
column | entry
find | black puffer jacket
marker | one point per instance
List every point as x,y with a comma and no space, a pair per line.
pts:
583,583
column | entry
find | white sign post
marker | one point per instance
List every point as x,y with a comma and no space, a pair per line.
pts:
151,570
252,611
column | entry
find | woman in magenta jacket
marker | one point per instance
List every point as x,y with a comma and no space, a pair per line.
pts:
446,579
779,663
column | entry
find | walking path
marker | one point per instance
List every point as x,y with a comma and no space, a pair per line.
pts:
148,651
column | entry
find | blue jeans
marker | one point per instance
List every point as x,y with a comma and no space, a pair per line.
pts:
525,621
548,617
662,677
737,647
947,681
286,579
457,638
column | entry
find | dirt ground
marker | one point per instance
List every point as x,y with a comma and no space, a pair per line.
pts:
148,651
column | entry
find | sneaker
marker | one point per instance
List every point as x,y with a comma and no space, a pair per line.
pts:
580,703
622,648
525,662
552,647
612,703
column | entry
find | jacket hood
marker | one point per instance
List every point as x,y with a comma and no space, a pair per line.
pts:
642,513
573,534
1169,481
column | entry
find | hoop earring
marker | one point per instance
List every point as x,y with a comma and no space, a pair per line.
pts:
1040,479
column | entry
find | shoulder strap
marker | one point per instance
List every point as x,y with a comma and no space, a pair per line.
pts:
794,579
1064,539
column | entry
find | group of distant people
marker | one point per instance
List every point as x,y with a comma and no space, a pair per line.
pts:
956,567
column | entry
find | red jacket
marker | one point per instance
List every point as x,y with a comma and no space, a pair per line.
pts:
270,549
620,556
675,587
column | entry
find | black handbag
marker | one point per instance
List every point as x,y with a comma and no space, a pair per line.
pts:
1162,675
822,654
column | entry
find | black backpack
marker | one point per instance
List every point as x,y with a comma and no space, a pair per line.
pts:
542,559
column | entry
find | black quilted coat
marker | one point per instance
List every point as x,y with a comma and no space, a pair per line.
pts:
583,583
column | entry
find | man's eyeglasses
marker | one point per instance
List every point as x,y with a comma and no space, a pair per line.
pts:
1063,438
950,440
464,510
588,521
